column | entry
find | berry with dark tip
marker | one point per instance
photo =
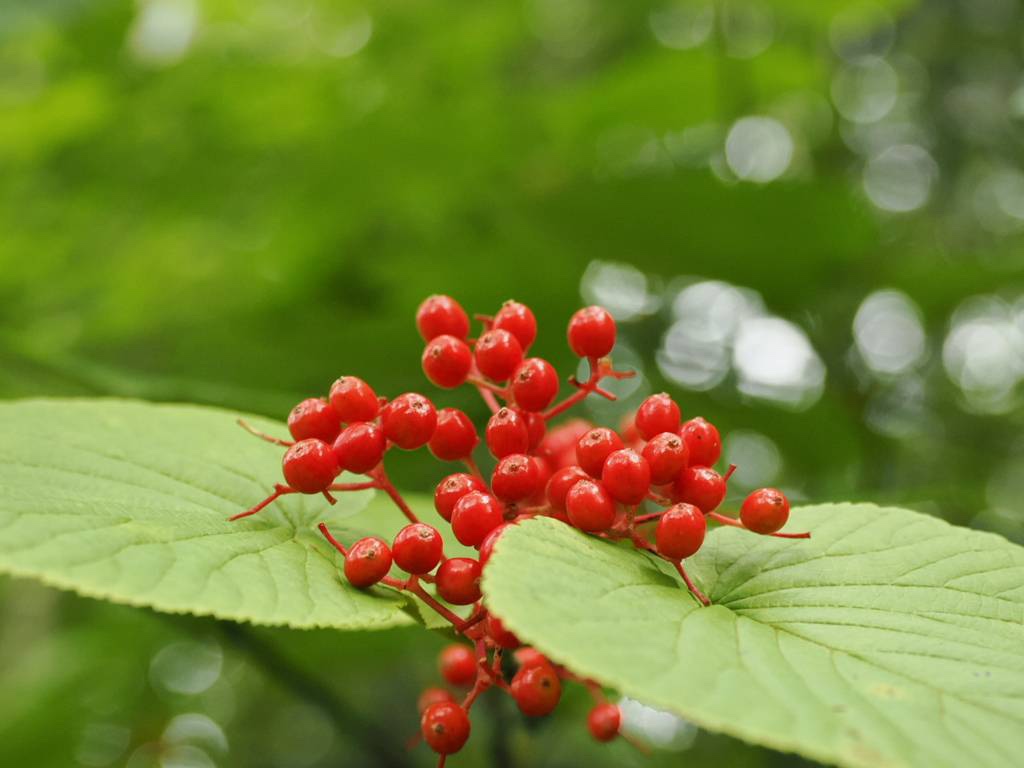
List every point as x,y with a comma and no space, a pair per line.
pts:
594,447
702,441
700,486
534,384
658,413
765,511
445,727
367,562
441,315
667,456
536,690
417,548
309,466
409,420
453,488
454,436
354,400
446,361
507,433
515,478
517,319
590,507
498,353
314,418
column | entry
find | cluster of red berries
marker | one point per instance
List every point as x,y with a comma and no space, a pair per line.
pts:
592,478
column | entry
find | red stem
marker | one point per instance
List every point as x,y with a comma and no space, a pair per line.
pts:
279,491
640,519
690,585
599,369
334,542
380,475
263,435
726,520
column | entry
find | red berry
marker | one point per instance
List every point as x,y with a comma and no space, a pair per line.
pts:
657,414
604,721
515,478
314,418
561,482
458,580
559,445
536,690
418,548
458,664
433,696
507,432
666,455
367,562
590,507
360,447
534,384
627,476
445,727
409,421
446,361
592,332
538,497
765,510
498,353
594,447
453,488
680,531
536,427
354,400
518,320
487,546
454,437
702,441
700,486
440,315
309,466
497,632
530,657
475,515
628,430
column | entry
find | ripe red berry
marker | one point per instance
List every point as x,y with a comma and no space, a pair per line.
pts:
590,507
446,361
536,427
354,400
309,466
559,445
457,664
454,436
453,488
680,531
409,421
765,510
592,332
666,455
534,384
433,696
515,478
538,497
499,634
475,515
507,433
658,413
561,482
487,546
367,562
445,727
360,447
700,486
314,418
702,441
518,320
498,353
440,315
418,548
530,657
536,690
594,447
604,721
627,476
458,580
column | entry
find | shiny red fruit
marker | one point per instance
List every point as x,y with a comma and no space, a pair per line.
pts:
560,483
534,384
592,332
667,456
765,511
590,507
309,466
518,320
409,421
457,664
680,531
498,353
507,432
367,562
445,727
360,447
702,441
536,690
627,476
314,418
440,315
594,447
446,361
515,478
658,413
700,486
604,721
458,580
454,436
475,515
354,400
453,488
418,548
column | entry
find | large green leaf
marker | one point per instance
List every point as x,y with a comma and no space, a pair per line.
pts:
889,639
129,502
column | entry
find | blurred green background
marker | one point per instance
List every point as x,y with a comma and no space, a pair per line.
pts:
807,217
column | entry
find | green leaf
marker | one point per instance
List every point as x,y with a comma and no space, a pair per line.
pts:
129,501
889,639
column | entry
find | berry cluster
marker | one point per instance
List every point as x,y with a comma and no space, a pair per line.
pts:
593,478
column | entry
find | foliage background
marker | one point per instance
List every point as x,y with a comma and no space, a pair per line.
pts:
234,202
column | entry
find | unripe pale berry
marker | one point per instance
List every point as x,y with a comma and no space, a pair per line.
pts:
590,507
314,418
453,488
604,721
534,384
515,478
680,531
594,447
518,320
354,400
367,562
507,433
360,447
446,361
627,476
498,354
445,727
409,421
440,315
592,332
536,690
700,486
702,441
667,456
475,515
658,413
458,580
454,436
418,548
309,466
457,664
765,511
